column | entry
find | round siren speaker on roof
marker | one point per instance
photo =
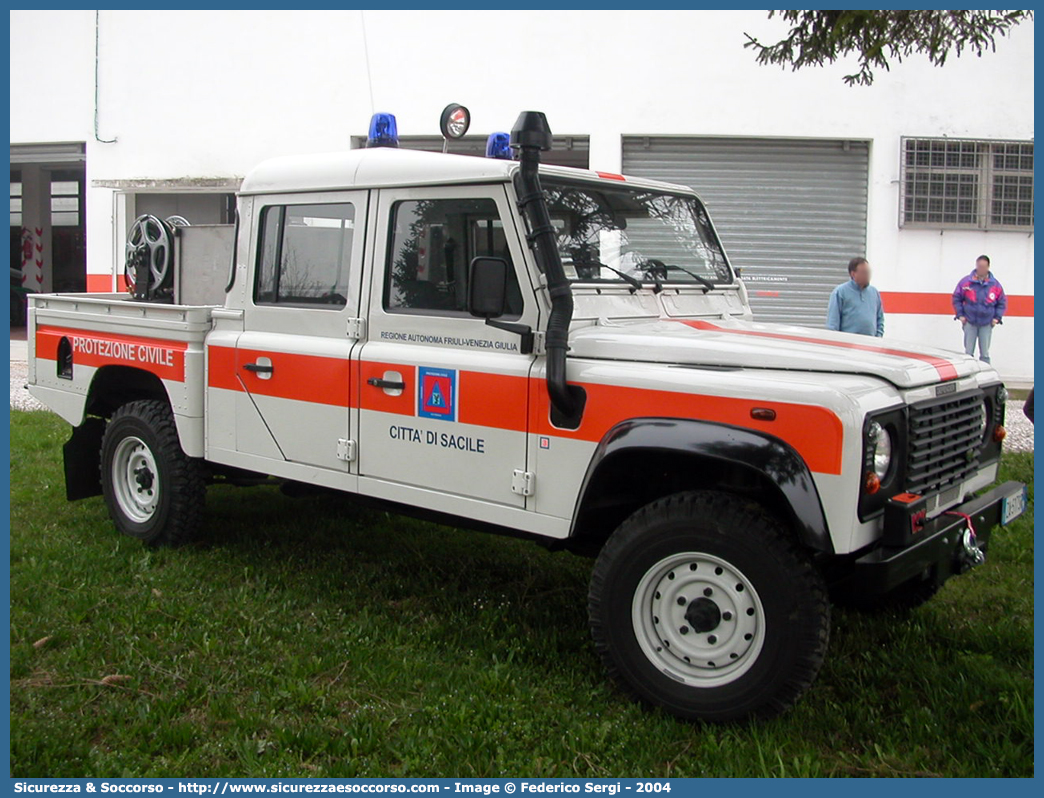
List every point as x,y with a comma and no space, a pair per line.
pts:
455,121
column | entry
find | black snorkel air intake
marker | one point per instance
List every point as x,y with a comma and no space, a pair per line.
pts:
531,135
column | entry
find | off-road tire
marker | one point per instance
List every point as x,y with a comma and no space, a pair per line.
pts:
653,561
141,452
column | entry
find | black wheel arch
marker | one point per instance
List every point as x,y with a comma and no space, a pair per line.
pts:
643,459
114,386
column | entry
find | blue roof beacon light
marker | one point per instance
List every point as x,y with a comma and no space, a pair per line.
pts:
498,146
383,131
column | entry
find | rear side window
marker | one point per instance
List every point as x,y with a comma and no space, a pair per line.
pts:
304,255
432,244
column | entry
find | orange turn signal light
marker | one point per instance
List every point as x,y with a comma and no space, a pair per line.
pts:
999,433
872,483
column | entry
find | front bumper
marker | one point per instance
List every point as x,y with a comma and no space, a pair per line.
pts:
942,549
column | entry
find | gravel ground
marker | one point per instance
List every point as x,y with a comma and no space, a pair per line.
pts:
20,398
1020,430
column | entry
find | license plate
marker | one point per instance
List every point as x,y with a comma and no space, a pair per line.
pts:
1013,506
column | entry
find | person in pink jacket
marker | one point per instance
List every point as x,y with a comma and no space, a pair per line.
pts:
979,304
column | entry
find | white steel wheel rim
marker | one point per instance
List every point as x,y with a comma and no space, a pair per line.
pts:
698,619
135,479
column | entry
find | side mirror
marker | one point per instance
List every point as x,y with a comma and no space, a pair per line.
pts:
487,287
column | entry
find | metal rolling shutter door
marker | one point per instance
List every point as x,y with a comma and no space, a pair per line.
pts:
790,212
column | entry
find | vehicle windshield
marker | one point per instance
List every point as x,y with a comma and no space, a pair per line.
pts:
607,231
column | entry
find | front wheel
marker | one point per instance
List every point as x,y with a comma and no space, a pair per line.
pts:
702,604
154,491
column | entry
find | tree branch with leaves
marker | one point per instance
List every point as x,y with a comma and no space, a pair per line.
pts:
878,37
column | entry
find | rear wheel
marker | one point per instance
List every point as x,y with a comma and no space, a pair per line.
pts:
701,603
154,491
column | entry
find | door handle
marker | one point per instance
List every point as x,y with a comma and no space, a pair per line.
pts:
257,368
390,385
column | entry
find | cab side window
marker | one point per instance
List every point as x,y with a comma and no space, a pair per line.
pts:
305,255
432,244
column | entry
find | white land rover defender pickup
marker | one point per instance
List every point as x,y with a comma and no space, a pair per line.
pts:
554,353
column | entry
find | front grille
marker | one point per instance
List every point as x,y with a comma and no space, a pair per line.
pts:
945,442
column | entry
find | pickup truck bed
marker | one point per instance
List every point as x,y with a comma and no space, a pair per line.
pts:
167,341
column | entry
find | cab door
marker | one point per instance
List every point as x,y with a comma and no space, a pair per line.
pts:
443,399
300,326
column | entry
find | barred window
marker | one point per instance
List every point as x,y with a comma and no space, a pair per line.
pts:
970,184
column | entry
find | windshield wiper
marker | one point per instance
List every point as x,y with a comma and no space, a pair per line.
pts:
631,281
703,281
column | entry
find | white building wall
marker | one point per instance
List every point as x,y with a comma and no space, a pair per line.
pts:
208,94
52,76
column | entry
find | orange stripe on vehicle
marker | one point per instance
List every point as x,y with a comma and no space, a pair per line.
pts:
493,400
940,304
486,400
499,401
944,367
611,176
372,397
221,368
164,358
295,376
816,433
301,378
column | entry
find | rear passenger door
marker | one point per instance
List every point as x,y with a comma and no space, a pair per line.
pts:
292,359
443,399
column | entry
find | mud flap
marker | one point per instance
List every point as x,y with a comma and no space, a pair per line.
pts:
82,455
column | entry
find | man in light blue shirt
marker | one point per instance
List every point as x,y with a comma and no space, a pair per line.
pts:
855,306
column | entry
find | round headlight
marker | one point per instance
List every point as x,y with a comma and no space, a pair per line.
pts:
881,445
1002,395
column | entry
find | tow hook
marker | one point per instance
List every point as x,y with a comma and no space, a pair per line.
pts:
969,554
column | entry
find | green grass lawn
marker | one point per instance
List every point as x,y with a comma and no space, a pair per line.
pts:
311,638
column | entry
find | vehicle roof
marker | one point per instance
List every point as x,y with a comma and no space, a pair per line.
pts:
384,167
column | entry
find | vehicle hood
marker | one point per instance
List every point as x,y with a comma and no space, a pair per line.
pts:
731,343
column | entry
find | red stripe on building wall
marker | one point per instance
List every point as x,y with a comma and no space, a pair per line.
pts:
940,304
102,283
